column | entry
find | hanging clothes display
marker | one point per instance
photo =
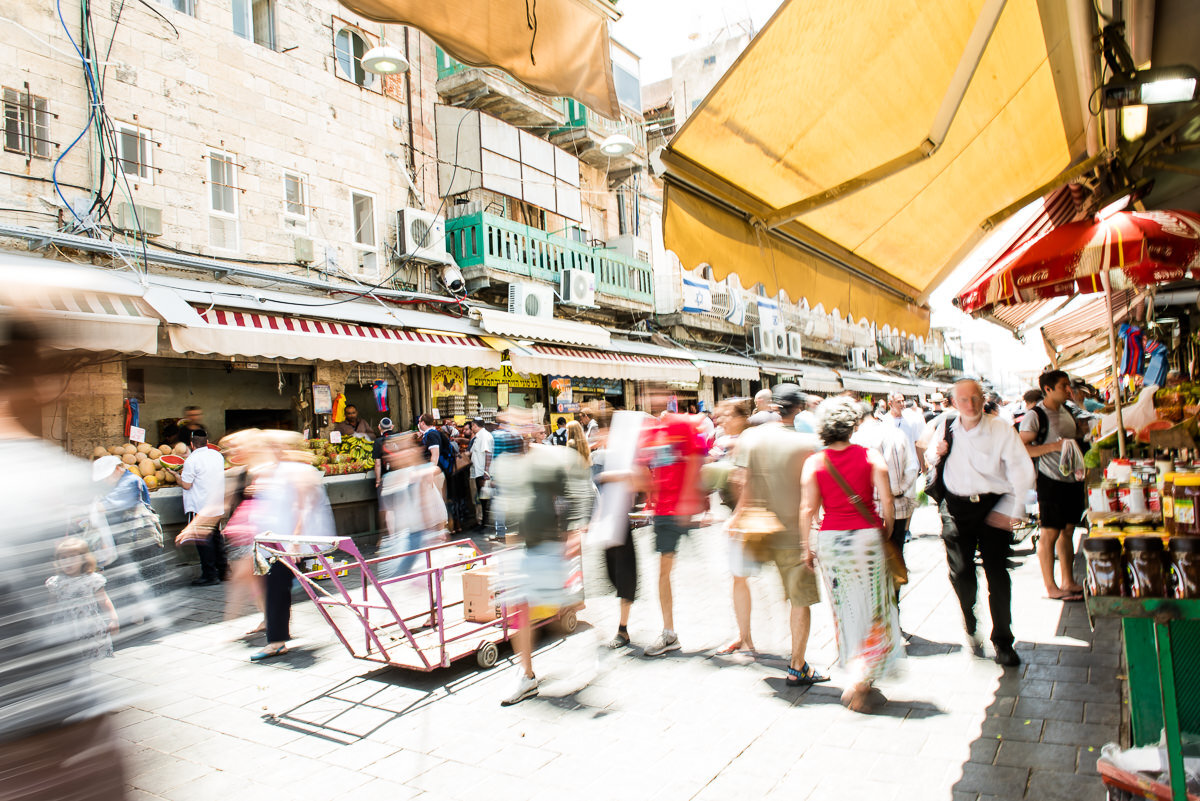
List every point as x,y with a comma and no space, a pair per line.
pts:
1133,349
1156,363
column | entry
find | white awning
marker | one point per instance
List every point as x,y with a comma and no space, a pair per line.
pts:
543,329
554,360
815,378
724,365
874,383
88,308
235,333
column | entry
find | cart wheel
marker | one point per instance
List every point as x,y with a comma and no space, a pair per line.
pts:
487,654
568,622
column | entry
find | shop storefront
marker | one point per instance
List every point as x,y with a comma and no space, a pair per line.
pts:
499,389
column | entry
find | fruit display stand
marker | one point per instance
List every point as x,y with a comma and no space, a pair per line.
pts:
1162,650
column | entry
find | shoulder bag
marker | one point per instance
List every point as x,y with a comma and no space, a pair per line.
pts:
893,555
935,484
755,524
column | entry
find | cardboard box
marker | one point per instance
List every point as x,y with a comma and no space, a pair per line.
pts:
483,610
477,583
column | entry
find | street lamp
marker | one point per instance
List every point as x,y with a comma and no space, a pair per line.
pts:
617,145
383,59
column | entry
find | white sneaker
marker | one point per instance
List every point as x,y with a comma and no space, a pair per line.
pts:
665,642
527,687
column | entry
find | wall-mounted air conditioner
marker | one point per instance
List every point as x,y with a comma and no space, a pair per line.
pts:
794,345
578,288
421,236
530,300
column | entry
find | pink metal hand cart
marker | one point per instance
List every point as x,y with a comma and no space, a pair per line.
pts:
419,620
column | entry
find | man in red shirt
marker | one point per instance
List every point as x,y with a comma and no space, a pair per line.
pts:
672,450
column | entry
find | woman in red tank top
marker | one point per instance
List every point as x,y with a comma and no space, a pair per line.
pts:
849,546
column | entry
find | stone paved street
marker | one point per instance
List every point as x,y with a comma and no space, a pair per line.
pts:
205,723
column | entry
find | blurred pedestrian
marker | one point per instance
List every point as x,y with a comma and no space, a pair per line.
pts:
294,504
411,503
547,495
841,483
772,458
672,451
248,455
56,741
137,536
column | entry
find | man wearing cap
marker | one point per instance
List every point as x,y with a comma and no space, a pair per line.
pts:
771,460
938,401
896,418
481,449
378,453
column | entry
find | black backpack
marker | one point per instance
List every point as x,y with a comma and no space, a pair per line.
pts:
935,484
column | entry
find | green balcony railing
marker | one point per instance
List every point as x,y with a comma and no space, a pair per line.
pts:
578,116
447,65
484,240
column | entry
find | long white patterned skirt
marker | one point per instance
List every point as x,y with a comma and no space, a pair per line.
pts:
862,595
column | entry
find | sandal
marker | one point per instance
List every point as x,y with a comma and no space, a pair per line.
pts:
804,677
267,653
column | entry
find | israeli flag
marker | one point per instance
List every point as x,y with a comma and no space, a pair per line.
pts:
768,314
737,306
697,295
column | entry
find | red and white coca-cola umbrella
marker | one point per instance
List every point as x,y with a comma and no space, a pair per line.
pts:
1125,250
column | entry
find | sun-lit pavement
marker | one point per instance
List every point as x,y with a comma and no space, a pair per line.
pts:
205,723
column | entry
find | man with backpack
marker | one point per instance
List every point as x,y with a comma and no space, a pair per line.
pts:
1061,498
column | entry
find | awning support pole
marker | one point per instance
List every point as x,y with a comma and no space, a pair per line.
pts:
1106,281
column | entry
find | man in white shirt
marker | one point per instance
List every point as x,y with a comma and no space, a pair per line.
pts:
481,450
896,418
987,476
203,483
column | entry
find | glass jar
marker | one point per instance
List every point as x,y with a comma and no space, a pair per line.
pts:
1185,566
1168,502
1145,567
1186,501
1104,573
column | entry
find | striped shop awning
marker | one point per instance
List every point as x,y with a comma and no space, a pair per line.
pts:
239,333
554,360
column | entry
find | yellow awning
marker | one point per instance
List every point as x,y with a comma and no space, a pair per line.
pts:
556,47
827,112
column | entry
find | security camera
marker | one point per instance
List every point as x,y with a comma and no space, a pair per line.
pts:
452,277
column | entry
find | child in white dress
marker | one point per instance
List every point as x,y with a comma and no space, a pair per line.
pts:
83,607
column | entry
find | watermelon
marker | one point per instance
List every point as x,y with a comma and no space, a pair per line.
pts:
1143,436
170,462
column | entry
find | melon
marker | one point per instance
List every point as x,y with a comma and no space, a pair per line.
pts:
180,450
130,448
151,482
169,477
116,450
171,463
134,470
1143,436
164,448
143,448
155,453
98,452
129,459
160,476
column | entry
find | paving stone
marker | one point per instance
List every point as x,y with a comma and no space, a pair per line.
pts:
1102,713
1063,733
1070,711
1006,728
1025,688
978,778
1057,673
1053,786
1071,691
1037,756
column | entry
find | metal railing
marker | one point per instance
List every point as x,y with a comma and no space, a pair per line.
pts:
484,240
579,116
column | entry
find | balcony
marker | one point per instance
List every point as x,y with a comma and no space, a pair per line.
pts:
584,132
492,250
495,93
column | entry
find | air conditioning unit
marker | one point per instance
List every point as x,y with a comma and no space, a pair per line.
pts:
578,288
630,246
780,337
531,300
421,236
794,345
858,358
765,342
146,220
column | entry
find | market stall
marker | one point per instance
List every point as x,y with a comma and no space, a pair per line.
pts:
1143,540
